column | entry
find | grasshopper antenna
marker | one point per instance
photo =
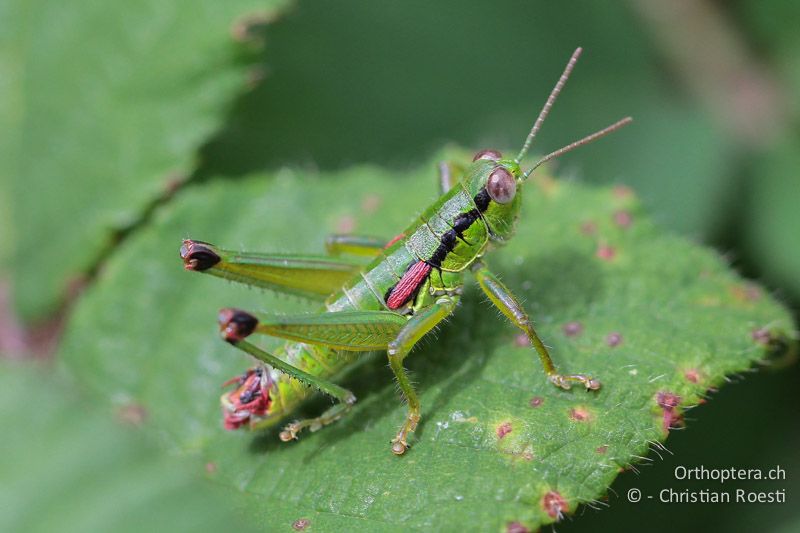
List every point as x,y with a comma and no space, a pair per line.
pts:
586,140
549,103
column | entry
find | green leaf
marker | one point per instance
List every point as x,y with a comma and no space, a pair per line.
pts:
66,467
658,319
103,107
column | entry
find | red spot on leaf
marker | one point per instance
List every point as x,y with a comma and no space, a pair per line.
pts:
536,401
521,340
589,227
606,252
133,414
527,455
371,203
692,375
668,402
301,524
503,429
211,467
614,339
761,336
516,527
572,329
601,449
623,219
346,224
579,414
746,293
554,505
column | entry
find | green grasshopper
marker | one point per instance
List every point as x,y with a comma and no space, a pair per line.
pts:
413,282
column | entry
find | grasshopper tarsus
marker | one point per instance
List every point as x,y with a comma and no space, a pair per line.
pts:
399,447
566,382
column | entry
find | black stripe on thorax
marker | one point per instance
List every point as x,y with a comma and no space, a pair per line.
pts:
460,225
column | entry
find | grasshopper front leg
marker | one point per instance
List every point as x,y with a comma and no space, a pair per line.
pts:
417,326
508,304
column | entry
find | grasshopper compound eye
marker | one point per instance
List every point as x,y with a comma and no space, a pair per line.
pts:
491,155
501,185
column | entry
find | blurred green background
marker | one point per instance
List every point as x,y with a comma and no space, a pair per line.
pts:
714,152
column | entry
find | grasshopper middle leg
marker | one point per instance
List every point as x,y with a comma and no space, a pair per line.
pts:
508,304
416,328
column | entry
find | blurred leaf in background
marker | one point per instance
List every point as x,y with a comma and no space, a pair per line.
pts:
104,105
66,467
388,83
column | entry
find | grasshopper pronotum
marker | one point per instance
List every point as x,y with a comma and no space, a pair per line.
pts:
413,282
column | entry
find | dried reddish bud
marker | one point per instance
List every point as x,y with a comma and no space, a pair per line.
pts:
554,505
668,402
249,399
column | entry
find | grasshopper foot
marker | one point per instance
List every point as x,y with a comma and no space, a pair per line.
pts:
399,446
330,416
290,432
400,443
565,382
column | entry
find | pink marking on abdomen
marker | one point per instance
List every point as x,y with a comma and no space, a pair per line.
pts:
394,240
409,283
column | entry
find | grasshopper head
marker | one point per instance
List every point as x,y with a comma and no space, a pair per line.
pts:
495,183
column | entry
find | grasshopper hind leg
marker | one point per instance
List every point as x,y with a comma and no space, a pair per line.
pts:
330,416
236,326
